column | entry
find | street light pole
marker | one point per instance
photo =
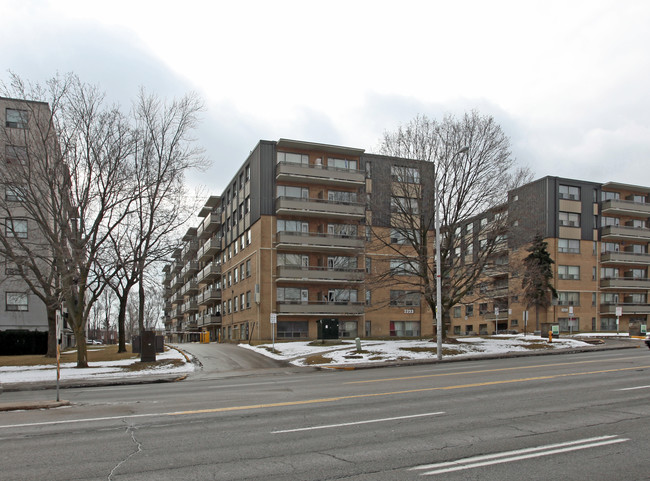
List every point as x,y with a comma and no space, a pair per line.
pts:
438,268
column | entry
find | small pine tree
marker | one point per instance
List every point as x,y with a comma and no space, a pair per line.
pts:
537,277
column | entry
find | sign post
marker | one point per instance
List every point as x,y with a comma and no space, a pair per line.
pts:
619,313
274,321
59,330
496,321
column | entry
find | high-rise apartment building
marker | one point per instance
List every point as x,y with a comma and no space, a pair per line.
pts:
286,251
20,309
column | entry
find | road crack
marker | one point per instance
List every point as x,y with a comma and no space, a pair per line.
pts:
130,429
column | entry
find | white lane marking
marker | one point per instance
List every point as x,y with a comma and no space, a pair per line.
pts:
311,428
633,388
72,421
518,455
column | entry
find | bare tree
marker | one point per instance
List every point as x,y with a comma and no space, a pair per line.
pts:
464,169
163,152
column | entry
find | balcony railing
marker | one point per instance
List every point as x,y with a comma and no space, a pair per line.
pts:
210,296
322,242
209,249
320,308
625,258
625,207
320,208
627,308
319,274
320,174
210,320
625,283
191,268
615,232
190,306
192,287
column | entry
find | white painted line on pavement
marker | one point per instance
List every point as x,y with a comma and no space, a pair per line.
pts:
518,455
311,428
633,388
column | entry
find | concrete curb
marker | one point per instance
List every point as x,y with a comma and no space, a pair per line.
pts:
30,405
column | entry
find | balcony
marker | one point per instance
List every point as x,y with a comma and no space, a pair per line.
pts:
210,297
497,292
625,283
190,288
625,258
209,273
319,274
178,313
303,241
320,308
623,233
191,268
190,249
189,307
626,208
178,297
210,249
318,174
320,208
209,225
210,320
628,309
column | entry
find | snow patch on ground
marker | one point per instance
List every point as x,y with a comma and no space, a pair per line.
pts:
298,353
97,370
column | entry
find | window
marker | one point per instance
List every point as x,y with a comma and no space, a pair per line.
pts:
247,205
609,221
16,301
401,267
292,329
248,268
341,196
568,272
16,228
609,247
15,154
294,192
457,311
607,323
608,298
14,193
17,119
248,172
569,219
569,192
609,273
404,298
610,195
569,246
236,302
248,299
404,329
342,164
483,308
343,296
291,295
404,205
241,301
292,158
12,268
405,174
469,310
368,265
568,298
348,329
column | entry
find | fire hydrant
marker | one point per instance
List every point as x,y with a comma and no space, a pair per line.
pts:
550,336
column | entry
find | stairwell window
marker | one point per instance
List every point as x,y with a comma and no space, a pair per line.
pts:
569,246
569,219
16,228
569,192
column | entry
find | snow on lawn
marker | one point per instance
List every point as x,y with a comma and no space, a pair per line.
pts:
97,370
299,353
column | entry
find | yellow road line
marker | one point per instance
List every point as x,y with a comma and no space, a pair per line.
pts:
441,374
394,393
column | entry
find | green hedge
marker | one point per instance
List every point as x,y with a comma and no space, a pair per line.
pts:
13,343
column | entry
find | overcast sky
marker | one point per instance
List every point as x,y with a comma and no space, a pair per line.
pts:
567,80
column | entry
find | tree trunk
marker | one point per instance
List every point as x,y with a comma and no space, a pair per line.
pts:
51,332
82,351
121,323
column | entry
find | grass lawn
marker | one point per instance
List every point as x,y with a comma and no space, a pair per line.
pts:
96,353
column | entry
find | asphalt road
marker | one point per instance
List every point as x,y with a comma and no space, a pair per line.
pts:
578,416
